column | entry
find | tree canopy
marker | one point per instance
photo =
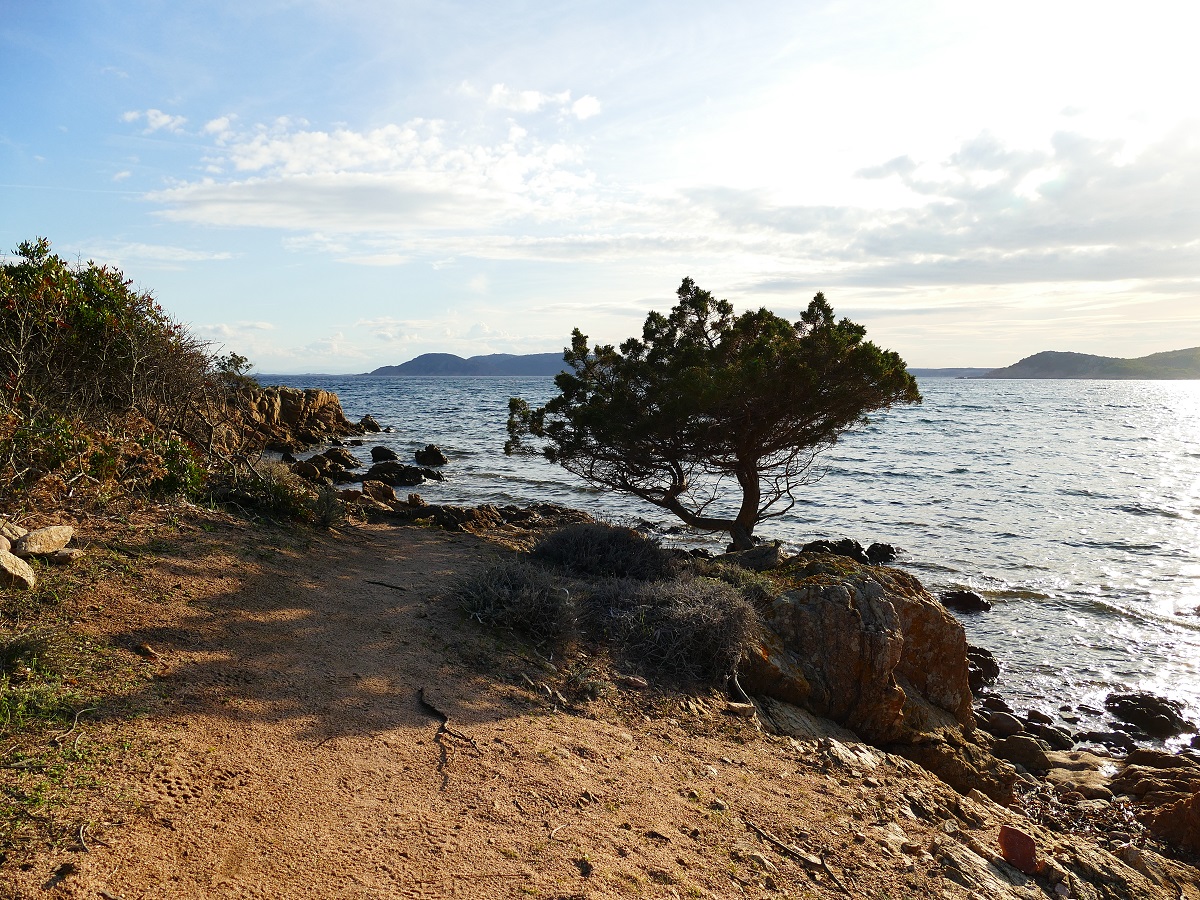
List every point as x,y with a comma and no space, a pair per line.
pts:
706,399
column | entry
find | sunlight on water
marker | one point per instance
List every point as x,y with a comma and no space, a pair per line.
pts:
1073,505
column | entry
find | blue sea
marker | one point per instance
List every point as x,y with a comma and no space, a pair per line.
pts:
1074,506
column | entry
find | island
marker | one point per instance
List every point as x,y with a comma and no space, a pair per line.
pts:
530,364
1172,365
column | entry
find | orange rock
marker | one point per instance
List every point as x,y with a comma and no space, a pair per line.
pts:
1019,850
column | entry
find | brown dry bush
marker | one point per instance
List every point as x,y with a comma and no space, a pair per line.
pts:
598,550
520,595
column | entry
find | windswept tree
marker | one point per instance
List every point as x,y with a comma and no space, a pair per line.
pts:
706,400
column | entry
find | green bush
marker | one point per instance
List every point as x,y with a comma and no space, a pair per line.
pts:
519,595
597,550
271,490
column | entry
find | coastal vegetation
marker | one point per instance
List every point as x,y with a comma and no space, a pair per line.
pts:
705,398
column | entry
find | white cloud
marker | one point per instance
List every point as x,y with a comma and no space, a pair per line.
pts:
156,120
152,255
122,175
585,107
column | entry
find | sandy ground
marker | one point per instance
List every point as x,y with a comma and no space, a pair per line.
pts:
325,723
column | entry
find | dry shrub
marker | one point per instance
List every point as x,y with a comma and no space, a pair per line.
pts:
597,550
695,627
270,489
519,595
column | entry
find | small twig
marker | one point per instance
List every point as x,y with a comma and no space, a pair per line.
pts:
394,587
558,829
82,841
74,724
796,854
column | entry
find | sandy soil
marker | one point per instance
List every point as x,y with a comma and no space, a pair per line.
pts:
325,723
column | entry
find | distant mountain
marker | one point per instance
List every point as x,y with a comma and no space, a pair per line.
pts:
949,373
494,364
1172,365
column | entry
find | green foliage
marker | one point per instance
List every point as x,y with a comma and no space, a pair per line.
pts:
706,398
271,490
598,550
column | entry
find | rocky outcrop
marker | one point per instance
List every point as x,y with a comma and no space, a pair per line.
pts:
1177,823
1156,716
399,474
283,418
869,648
382,454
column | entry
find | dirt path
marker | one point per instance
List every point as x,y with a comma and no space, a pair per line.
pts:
297,757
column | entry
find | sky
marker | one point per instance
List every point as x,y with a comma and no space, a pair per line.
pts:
336,186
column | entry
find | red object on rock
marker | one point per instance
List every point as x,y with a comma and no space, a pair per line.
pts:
1019,850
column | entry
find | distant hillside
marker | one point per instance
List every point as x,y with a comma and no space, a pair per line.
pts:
1174,364
495,364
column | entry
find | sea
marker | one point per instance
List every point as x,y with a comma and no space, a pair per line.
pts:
1073,506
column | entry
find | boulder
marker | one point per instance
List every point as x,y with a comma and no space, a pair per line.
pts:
380,453
342,457
982,668
1055,737
283,418
878,554
964,601
12,530
759,559
368,423
1177,823
431,455
377,490
851,549
397,473
15,572
1001,724
4,544
1019,850
43,541
307,470
1157,716
1024,750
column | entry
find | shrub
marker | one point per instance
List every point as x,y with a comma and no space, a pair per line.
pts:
327,507
519,595
272,490
694,627
596,550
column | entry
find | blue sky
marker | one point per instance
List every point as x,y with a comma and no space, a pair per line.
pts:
331,187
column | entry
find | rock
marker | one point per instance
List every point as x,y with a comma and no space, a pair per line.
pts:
1114,740
4,544
1177,823
963,764
368,423
431,456
383,454
1157,716
1159,759
15,572
1019,850
759,559
964,601
66,556
350,495
1002,725
416,500
1037,717
878,554
43,541
307,470
1024,750
397,473
377,490
12,530
1055,737
287,458
982,668
994,704
342,457
845,547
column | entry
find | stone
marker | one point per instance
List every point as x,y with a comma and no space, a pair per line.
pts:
5,545
982,668
431,455
1024,750
846,547
964,601
15,572
377,490
307,470
762,558
1157,716
66,556
996,704
1177,823
43,541
879,554
399,474
383,454
12,530
1055,737
1019,850
341,457
1036,716
1159,759
368,423
1002,725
